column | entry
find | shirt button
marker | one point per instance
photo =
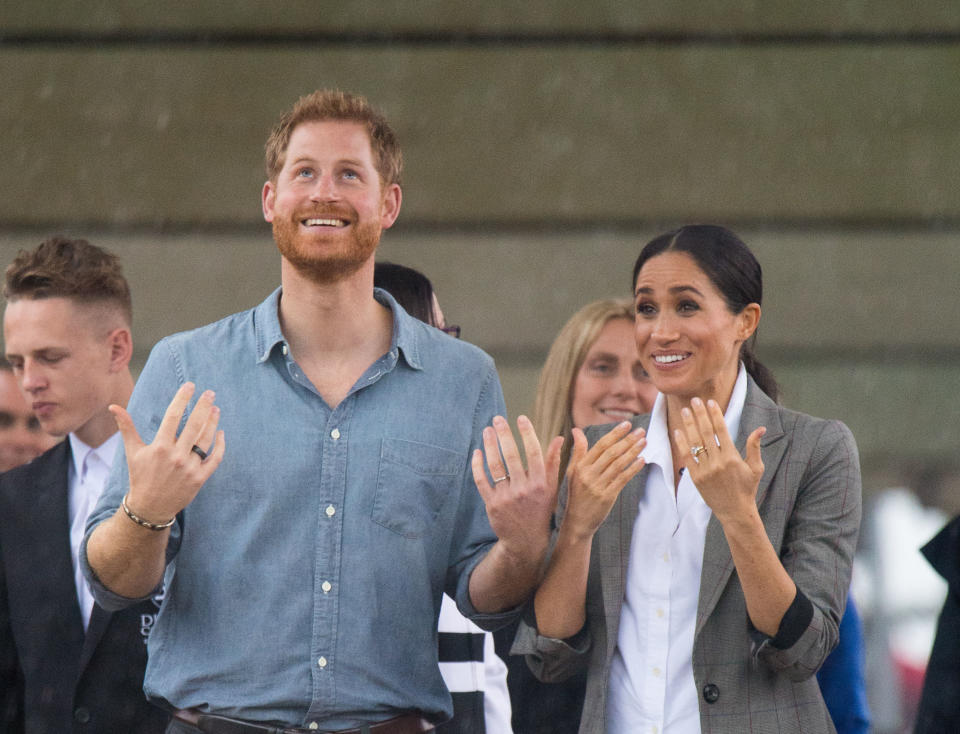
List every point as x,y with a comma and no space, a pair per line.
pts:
322,662
656,672
330,511
666,558
335,434
285,350
660,613
326,586
654,729
314,725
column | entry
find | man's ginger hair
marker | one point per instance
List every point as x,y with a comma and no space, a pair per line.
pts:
333,104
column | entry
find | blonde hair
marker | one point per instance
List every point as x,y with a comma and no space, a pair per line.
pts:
554,401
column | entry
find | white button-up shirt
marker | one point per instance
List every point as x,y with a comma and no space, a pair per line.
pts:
652,690
86,479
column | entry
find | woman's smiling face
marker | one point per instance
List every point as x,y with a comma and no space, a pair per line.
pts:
688,339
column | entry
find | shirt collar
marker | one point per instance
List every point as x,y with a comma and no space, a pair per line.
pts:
658,451
79,451
404,340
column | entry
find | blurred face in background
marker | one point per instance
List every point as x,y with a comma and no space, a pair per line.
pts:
21,437
611,384
64,357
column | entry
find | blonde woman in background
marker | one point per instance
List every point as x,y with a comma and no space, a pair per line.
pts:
592,376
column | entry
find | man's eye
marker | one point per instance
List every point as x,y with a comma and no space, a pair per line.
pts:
305,173
351,174
33,425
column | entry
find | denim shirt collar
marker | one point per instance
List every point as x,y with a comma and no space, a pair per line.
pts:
404,340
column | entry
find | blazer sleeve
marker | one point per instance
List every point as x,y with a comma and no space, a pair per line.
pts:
817,549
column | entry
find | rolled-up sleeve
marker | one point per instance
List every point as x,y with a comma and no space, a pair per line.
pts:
817,551
154,390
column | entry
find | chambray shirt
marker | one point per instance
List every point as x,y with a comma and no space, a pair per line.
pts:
304,581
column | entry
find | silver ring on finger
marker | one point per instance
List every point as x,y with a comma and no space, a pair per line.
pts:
497,480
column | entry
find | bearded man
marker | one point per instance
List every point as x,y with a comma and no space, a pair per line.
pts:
304,565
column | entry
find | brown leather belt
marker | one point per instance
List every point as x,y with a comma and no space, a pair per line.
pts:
210,724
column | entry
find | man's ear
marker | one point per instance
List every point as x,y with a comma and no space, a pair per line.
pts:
390,206
121,348
267,199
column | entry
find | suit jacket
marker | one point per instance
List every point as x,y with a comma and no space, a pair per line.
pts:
53,676
810,503
939,711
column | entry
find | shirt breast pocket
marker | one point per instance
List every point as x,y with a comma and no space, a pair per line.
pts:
413,482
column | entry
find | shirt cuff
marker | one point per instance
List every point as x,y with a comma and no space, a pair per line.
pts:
795,621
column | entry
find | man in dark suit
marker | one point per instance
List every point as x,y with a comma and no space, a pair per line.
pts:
66,665
939,711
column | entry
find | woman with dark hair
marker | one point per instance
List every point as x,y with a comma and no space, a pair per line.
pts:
701,584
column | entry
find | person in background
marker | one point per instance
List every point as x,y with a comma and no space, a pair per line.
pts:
21,437
592,375
842,677
702,582
473,672
66,663
939,711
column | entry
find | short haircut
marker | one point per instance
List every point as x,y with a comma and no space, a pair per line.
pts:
333,104
61,267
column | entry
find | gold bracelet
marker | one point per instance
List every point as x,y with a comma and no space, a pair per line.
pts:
143,523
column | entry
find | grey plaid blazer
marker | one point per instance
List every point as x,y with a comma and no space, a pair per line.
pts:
809,499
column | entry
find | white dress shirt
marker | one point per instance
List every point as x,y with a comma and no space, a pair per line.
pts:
86,479
652,690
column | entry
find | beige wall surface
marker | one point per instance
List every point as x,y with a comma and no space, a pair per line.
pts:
158,136
545,143
505,16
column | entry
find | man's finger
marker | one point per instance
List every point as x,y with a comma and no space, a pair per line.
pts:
508,446
128,431
171,419
531,446
479,475
196,431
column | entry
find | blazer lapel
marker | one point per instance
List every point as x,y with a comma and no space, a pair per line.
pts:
758,410
51,531
99,619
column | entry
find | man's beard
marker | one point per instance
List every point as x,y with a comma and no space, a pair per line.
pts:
317,260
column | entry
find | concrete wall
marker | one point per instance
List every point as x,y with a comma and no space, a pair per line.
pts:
545,143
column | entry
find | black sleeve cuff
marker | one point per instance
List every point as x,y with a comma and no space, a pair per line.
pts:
576,641
794,622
